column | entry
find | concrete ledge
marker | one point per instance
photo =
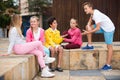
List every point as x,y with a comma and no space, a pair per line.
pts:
84,59
66,60
73,59
77,59
18,67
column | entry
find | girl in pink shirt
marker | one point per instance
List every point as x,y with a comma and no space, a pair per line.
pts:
75,40
36,33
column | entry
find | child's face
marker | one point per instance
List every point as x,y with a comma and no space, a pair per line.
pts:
54,24
87,9
34,22
73,23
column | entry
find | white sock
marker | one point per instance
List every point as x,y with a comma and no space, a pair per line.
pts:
89,45
108,65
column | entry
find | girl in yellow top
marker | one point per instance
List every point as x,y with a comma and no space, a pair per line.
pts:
52,41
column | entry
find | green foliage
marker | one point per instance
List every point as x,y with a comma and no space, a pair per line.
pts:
4,20
7,4
6,9
38,6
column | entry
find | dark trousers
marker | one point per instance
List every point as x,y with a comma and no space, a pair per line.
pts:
71,46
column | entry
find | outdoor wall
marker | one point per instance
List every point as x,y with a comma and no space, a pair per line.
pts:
63,10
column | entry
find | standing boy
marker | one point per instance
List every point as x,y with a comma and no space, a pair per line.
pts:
104,25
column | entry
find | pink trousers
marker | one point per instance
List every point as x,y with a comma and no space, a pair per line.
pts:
35,48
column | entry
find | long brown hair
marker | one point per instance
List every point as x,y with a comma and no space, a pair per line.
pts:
15,22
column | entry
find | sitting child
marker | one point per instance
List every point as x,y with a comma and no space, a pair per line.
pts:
73,36
52,41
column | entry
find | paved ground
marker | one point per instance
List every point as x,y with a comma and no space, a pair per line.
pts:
84,75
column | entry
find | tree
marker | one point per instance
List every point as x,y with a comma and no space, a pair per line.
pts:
4,20
38,6
7,8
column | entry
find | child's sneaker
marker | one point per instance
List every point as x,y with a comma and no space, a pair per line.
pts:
48,68
46,74
106,67
48,59
88,47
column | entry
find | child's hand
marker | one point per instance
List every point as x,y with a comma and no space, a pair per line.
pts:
85,32
64,35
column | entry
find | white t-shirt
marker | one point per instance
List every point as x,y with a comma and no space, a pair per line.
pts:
37,35
105,23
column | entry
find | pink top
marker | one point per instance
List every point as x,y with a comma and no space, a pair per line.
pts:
75,36
30,35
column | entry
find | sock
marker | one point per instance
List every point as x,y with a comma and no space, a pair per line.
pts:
89,45
108,65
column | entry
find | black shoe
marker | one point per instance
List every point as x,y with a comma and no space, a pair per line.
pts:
52,69
63,46
59,69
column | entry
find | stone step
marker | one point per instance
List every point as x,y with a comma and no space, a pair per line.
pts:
18,67
73,59
13,69
77,59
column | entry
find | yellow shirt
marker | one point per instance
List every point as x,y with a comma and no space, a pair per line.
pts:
52,37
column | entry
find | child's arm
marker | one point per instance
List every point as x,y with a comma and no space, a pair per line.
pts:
75,36
63,36
89,21
92,31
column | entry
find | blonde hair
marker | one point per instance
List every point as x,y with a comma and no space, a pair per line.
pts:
33,17
15,22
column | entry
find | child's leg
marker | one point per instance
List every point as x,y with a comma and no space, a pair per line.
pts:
28,47
39,55
45,72
109,55
60,54
52,51
89,36
108,40
31,48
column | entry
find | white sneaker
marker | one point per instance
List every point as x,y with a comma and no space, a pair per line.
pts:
48,59
47,68
46,74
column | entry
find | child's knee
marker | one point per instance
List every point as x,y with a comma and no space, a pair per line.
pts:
88,28
109,46
52,50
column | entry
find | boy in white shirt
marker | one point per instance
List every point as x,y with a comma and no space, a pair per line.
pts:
104,25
